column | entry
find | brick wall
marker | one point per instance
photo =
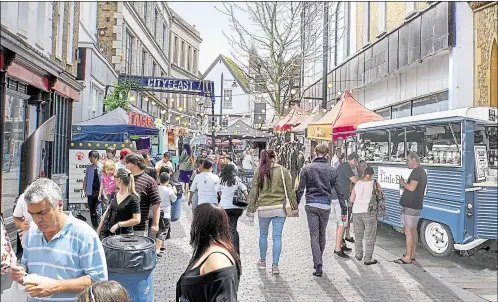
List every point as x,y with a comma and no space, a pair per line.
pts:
105,23
63,61
395,16
359,24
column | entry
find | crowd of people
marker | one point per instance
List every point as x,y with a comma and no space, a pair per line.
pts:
136,198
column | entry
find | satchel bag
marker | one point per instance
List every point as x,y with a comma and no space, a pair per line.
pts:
238,198
287,205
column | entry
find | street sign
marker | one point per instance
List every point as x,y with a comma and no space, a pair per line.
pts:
172,85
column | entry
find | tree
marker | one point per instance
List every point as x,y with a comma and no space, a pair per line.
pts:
119,98
274,44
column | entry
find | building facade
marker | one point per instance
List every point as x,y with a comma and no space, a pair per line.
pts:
408,58
185,41
234,102
93,70
38,59
485,53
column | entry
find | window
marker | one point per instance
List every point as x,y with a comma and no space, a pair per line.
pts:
144,61
189,58
397,145
374,145
182,55
194,71
175,50
438,143
128,52
227,98
385,113
154,68
409,7
165,37
402,110
40,21
434,103
60,29
70,50
366,22
156,23
146,11
224,122
382,17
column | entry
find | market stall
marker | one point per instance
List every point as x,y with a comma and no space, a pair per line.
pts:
118,126
341,122
295,117
242,131
300,131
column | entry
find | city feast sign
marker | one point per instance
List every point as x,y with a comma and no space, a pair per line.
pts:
141,120
172,85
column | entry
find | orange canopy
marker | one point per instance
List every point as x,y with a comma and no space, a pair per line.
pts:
342,120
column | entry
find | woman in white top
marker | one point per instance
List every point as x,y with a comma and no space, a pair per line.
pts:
248,161
227,189
365,223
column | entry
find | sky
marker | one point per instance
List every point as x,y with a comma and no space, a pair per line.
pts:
210,23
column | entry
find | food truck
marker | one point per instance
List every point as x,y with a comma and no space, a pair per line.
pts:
458,150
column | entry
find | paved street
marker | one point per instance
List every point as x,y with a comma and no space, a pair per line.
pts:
431,279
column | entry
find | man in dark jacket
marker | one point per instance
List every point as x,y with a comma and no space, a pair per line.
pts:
320,179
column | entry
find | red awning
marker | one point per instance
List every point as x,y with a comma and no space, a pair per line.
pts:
292,119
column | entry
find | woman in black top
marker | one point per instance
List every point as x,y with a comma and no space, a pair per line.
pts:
214,270
124,210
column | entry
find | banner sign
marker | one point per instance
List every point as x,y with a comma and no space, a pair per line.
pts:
78,162
141,120
172,85
388,177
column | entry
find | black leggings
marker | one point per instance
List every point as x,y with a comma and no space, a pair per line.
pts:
233,218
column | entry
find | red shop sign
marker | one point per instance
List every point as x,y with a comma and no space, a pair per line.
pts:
66,90
140,120
1,60
24,74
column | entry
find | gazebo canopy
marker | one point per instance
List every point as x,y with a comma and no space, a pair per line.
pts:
316,114
342,120
241,130
295,117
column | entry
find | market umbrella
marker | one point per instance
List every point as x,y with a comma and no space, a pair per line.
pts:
295,116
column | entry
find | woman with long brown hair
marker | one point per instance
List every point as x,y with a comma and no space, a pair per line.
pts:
213,272
104,291
124,209
268,194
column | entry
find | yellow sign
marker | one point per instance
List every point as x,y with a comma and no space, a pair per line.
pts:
323,132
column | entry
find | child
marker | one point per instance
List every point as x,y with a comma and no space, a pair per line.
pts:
168,197
108,184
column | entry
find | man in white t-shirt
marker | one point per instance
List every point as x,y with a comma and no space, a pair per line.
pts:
22,218
165,162
205,183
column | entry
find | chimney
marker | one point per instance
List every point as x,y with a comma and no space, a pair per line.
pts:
194,26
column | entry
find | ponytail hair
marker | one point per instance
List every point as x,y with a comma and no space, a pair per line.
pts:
267,158
128,180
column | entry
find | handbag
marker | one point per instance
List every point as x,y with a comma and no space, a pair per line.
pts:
287,205
377,205
238,198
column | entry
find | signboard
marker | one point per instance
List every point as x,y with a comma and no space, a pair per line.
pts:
388,177
172,85
481,158
141,120
171,140
78,162
323,132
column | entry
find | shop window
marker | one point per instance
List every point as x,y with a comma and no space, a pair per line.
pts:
402,110
374,145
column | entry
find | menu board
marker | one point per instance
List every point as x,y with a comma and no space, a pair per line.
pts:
481,158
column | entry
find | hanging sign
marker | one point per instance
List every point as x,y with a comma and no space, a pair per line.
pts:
141,120
187,86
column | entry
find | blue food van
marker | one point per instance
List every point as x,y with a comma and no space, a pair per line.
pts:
458,150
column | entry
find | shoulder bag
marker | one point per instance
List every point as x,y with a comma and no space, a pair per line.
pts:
287,205
377,205
238,197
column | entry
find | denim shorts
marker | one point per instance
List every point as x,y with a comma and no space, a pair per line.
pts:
337,210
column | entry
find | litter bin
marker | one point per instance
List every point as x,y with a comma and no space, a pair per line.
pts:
131,261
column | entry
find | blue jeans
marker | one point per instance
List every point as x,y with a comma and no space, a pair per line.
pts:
278,226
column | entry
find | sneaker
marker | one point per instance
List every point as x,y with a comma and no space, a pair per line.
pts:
341,254
261,264
370,262
275,270
345,248
350,239
358,258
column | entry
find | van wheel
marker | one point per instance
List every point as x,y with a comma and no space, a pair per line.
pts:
436,238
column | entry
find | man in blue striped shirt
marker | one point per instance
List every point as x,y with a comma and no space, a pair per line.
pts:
62,250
